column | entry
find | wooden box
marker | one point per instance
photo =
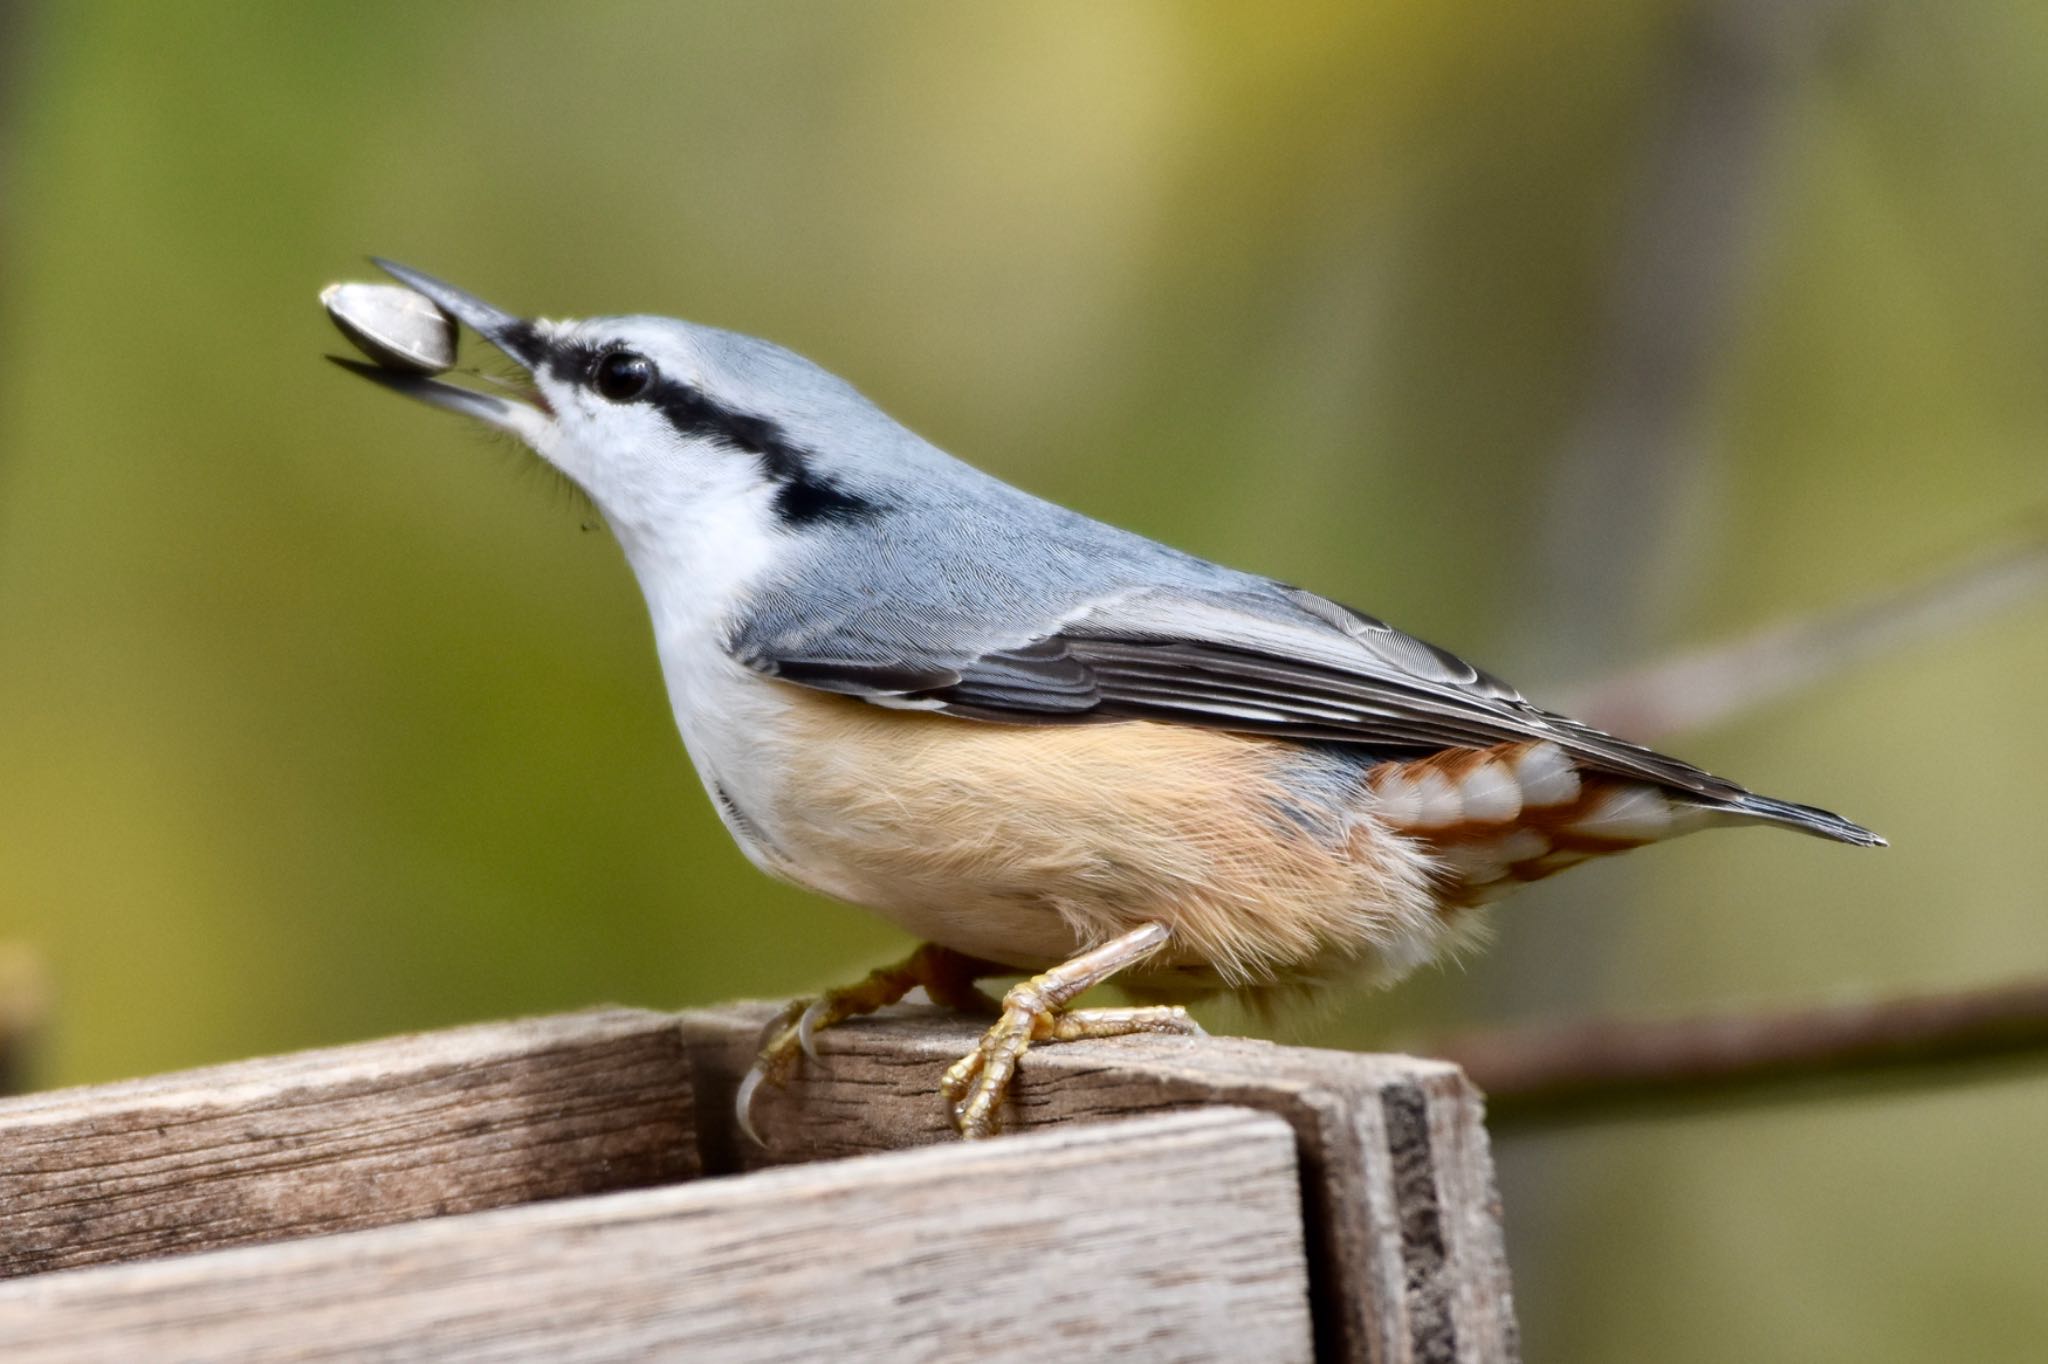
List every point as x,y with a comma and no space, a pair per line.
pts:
576,1188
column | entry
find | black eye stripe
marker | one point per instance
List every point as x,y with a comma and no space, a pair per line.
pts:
803,496
569,362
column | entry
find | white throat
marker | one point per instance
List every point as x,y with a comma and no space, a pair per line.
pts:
727,713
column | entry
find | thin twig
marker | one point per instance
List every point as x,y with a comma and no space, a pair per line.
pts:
1701,687
1611,1068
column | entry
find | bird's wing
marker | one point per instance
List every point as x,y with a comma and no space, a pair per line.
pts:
1260,658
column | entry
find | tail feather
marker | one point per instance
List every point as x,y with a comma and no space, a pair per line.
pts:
1805,818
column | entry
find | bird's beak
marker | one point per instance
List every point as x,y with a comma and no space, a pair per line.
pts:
524,415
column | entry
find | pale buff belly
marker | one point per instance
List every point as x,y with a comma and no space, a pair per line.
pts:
1026,844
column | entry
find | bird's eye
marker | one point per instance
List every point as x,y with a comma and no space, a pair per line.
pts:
622,375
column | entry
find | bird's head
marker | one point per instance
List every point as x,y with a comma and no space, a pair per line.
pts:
692,441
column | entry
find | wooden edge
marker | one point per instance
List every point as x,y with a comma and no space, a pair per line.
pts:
1406,1259
1174,1236
349,1137
260,1077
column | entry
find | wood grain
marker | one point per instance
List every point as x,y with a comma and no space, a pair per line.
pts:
358,1136
1403,1222
1168,1238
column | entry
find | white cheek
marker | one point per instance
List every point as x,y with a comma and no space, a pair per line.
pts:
561,443
697,553
607,452
694,518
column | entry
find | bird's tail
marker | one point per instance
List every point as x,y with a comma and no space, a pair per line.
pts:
1805,818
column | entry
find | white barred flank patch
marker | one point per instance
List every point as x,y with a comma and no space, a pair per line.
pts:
1635,814
1547,777
1477,789
1438,805
1521,845
1497,818
1490,792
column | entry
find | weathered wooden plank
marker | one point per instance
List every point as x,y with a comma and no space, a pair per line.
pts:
1403,1221
1167,1238
357,1136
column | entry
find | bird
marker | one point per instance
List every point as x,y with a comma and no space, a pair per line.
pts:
1047,747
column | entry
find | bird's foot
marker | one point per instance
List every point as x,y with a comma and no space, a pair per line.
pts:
947,977
977,1083
1035,1011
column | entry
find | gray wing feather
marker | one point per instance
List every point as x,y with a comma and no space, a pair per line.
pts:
1329,674
1217,648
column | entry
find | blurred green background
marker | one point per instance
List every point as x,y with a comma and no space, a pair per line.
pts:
323,716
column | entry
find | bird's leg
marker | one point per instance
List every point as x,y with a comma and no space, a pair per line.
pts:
1035,1012
947,977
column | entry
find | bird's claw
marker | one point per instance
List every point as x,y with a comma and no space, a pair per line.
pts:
782,1040
977,1084
792,1034
814,1017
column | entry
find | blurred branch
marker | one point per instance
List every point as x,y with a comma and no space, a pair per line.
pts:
1683,268
14,60
24,1010
1701,687
1611,1068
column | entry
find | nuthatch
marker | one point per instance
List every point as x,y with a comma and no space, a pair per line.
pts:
1040,743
